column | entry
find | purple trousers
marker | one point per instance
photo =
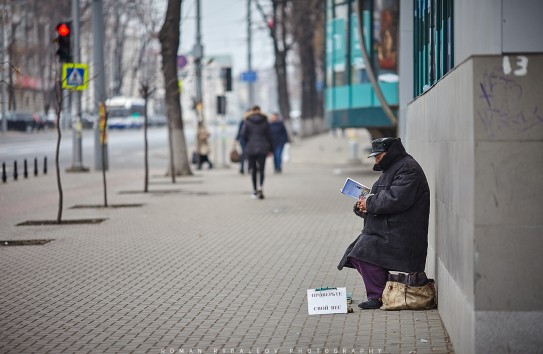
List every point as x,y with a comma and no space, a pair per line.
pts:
374,277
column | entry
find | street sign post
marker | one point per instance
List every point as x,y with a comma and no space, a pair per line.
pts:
75,76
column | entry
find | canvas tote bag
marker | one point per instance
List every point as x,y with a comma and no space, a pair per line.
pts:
413,291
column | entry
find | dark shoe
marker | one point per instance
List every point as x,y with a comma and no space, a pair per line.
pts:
260,195
371,304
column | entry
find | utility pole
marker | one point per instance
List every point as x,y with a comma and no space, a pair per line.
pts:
99,81
249,53
77,128
198,53
3,83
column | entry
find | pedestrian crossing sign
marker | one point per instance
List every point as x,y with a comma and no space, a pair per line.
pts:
75,76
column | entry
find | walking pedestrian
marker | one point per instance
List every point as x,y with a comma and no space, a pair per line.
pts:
203,146
396,213
256,132
242,143
279,138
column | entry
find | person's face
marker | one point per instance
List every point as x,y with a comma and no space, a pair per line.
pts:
274,117
379,157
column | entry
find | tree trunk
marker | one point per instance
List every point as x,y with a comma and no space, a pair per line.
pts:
282,83
305,28
169,39
58,108
281,48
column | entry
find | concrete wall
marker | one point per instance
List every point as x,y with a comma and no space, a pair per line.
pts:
478,134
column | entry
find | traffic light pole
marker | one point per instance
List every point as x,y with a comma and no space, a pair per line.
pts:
99,81
198,53
77,128
249,54
198,57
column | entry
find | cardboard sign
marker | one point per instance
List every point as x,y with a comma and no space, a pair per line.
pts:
326,300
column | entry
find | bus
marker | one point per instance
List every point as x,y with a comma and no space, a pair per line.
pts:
125,112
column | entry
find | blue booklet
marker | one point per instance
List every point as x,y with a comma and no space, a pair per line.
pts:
354,189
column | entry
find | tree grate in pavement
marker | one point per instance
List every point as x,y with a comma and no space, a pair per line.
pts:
164,192
98,206
24,242
62,222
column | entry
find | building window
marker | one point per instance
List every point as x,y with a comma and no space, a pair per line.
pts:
337,46
433,42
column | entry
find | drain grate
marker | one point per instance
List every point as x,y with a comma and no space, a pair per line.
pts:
24,242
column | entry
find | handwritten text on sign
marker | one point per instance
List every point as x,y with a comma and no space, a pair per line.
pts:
320,302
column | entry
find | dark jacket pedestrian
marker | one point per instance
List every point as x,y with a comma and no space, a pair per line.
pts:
396,213
279,138
242,143
256,132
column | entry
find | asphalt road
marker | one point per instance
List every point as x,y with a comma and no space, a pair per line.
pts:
125,147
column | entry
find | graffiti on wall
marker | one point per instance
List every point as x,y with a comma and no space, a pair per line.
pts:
506,106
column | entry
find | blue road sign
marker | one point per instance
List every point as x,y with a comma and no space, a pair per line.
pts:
75,76
248,76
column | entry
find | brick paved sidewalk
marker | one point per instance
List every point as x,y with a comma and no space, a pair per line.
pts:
200,267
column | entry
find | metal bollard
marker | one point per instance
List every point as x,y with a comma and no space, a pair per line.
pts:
35,166
25,169
4,176
45,165
15,173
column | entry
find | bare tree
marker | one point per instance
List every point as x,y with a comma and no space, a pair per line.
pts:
58,109
146,92
169,39
307,24
149,21
277,21
118,32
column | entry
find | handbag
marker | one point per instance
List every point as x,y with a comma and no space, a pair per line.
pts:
234,154
413,291
195,158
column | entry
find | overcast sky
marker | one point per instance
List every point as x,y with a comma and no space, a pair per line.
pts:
224,31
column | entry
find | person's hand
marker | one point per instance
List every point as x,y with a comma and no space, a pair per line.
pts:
361,204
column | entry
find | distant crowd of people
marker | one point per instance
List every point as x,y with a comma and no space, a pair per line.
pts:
258,137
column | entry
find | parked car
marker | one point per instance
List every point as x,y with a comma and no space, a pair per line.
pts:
88,120
157,120
50,120
24,121
296,121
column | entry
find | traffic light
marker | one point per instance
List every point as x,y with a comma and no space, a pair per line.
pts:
221,105
64,50
226,75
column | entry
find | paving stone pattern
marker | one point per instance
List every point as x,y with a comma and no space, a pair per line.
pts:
200,268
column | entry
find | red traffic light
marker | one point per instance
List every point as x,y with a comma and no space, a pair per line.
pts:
63,30
64,50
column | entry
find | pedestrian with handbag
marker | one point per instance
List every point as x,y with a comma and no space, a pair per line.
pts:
396,214
203,146
257,133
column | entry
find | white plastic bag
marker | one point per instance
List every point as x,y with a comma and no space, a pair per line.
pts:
286,152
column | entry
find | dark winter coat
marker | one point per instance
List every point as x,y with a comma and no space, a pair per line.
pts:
395,234
256,132
279,133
